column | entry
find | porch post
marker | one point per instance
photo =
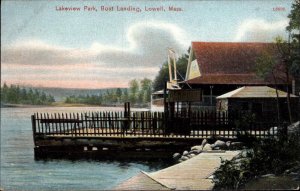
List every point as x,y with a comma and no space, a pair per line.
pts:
211,102
166,115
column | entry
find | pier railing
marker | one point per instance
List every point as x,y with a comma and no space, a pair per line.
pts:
199,124
99,124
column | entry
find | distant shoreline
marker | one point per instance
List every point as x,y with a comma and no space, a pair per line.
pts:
61,104
20,106
52,105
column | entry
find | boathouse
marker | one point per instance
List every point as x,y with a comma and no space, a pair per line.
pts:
258,100
220,67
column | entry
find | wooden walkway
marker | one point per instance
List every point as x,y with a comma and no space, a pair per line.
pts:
193,174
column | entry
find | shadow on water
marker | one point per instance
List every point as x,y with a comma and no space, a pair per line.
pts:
154,163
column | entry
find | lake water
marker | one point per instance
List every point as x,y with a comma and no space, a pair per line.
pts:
19,170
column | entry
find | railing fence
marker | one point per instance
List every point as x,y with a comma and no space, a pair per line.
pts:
199,124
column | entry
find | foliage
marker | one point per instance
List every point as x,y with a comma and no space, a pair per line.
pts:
16,95
294,17
268,156
133,89
273,156
231,174
139,92
146,89
294,29
265,65
163,74
245,120
87,99
288,54
161,77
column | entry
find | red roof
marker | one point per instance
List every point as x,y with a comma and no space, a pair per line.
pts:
229,62
250,79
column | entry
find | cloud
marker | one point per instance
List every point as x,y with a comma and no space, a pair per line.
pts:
148,43
146,50
37,52
259,30
81,75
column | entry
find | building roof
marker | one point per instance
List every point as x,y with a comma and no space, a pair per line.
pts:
254,92
230,62
242,79
158,92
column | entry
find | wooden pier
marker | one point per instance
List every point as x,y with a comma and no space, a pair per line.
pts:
142,133
193,174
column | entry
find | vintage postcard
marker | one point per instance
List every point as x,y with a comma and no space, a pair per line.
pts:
132,95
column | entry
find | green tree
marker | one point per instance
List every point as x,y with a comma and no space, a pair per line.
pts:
133,91
4,91
125,96
289,51
24,95
30,96
119,94
43,97
16,95
161,78
294,24
294,29
266,65
12,95
146,89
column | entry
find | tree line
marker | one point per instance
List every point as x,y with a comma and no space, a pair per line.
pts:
138,93
13,94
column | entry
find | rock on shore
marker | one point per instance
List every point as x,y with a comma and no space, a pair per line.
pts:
206,147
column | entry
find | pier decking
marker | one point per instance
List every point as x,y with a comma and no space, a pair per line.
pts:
193,174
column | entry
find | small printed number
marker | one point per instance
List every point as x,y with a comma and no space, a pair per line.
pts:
278,8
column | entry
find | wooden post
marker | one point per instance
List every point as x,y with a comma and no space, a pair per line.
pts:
74,127
108,123
67,124
33,123
97,122
127,109
38,123
59,122
71,127
42,124
101,122
47,125
56,128
166,115
155,122
143,121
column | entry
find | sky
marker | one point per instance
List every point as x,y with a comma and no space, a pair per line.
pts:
45,46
